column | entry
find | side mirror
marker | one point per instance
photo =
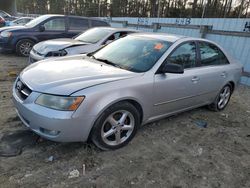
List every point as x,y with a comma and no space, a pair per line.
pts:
41,28
172,68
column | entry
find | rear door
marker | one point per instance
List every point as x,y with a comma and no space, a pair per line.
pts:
212,70
54,28
176,92
76,26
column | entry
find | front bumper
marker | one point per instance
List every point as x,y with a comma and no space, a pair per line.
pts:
42,120
5,45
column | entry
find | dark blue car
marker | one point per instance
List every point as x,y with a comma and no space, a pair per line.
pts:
20,39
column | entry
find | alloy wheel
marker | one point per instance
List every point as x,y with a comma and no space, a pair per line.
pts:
25,48
117,127
224,97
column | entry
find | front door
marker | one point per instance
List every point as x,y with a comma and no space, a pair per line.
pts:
54,28
176,92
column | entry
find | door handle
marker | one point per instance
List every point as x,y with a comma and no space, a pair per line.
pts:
223,74
195,79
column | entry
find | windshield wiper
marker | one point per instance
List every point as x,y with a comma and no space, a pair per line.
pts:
107,62
91,55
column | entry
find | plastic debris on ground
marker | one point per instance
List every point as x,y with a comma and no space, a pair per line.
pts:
74,174
201,123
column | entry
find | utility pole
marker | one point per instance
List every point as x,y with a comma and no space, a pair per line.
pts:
99,8
159,9
241,7
204,9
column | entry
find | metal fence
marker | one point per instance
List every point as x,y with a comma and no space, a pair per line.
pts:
231,34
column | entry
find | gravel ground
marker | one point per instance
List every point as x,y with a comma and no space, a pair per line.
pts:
173,152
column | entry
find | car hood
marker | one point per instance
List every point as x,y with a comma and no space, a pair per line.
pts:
56,44
64,76
12,28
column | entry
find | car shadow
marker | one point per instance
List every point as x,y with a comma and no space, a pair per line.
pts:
14,143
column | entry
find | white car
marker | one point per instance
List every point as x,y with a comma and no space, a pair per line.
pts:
87,42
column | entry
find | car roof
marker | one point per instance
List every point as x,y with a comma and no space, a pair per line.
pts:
161,36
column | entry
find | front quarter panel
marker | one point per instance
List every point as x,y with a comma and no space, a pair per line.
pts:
100,97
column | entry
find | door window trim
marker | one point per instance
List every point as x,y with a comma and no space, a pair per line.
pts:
199,60
196,55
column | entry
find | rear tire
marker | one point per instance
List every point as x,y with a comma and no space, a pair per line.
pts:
116,126
222,99
24,46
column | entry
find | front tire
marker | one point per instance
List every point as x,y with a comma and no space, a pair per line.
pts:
116,126
24,46
222,99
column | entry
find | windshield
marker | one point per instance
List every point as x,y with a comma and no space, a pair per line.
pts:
4,14
37,21
93,35
134,53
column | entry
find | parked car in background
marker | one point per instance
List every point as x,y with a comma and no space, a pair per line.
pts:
106,95
89,41
19,21
2,21
21,39
7,16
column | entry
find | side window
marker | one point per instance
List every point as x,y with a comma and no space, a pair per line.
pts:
116,36
76,24
97,23
112,38
184,55
57,24
211,55
123,34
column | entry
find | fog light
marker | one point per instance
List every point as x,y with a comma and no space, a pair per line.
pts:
49,132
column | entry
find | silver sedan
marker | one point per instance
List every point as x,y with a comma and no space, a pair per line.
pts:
105,96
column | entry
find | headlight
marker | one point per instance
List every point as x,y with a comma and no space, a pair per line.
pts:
6,34
57,53
59,102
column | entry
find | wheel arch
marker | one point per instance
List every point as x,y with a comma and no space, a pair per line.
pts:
232,84
132,101
26,38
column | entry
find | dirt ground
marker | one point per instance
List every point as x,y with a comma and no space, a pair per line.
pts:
173,152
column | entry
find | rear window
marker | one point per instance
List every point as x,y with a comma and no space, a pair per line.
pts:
78,24
97,23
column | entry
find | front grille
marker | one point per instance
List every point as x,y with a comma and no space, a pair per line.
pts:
22,90
59,53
